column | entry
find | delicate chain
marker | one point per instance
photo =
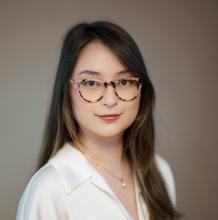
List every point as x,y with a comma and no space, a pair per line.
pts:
101,166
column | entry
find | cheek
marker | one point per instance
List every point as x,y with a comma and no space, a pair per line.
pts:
134,105
80,108
131,111
76,104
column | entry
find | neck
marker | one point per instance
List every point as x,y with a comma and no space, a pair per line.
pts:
108,151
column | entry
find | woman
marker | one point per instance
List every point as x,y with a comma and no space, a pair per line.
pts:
98,159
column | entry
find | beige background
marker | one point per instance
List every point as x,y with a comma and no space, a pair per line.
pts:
179,42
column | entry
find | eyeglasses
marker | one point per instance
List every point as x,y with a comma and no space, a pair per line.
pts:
93,90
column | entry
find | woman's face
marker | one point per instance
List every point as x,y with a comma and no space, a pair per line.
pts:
110,116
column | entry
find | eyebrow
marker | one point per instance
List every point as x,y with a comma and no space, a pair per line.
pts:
91,72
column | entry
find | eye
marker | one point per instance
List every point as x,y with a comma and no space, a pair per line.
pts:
91,83
126,82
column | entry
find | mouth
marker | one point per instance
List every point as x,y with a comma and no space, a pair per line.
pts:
109,117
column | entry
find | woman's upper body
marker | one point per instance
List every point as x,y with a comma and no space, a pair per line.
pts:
103,104
68,187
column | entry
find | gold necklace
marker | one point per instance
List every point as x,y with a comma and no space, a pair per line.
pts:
103,167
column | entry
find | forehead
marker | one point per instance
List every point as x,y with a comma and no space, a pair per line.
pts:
98,57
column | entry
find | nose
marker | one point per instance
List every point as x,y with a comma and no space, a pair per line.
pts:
109,99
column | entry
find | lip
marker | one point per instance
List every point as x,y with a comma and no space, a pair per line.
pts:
109,117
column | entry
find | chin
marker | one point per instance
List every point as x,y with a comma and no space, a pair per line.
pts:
109,135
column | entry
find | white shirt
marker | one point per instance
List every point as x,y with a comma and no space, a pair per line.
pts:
68,187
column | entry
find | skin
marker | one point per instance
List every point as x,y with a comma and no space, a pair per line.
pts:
102,140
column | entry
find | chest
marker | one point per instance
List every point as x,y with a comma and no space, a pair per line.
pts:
89,202
107,199
126,195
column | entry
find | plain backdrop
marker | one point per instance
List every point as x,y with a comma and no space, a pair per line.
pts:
178,40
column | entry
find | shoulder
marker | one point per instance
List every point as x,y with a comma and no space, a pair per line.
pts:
167,174
45,179
41,195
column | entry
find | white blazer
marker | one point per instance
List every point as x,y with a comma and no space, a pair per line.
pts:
67,187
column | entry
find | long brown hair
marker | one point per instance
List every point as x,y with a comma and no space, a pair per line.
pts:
139,138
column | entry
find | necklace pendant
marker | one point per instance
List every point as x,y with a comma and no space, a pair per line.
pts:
123,184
